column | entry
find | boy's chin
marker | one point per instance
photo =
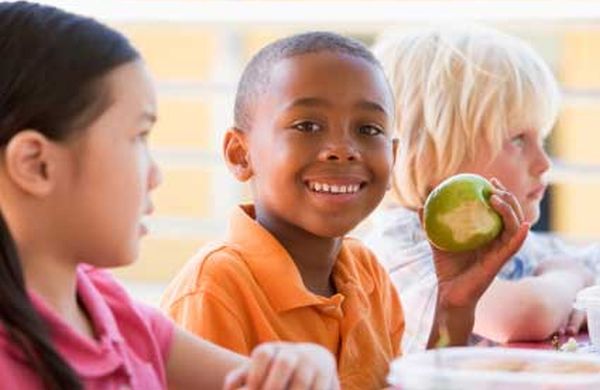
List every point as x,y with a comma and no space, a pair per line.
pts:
332,231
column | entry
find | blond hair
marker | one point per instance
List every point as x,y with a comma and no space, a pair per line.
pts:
457,87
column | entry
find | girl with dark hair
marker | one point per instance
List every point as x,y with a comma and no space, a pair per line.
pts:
76,107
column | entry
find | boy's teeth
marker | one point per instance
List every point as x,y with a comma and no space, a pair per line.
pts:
334,188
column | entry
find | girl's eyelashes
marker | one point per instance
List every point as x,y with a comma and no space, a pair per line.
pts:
143,135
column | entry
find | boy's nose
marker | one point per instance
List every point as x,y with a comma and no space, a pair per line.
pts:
340,153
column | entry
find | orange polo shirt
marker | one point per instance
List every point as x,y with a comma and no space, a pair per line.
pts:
247,290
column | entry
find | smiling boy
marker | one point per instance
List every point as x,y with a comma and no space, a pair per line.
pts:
312,135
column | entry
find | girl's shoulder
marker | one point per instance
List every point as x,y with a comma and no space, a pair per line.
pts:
131,317
127,311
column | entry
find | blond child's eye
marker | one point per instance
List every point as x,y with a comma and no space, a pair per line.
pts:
518,141
307,127
370,130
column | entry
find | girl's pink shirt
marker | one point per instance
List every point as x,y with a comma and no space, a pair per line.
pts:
130,349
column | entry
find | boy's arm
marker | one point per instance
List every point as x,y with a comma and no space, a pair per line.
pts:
534,307
464,277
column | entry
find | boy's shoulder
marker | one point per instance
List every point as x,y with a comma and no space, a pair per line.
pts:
217,263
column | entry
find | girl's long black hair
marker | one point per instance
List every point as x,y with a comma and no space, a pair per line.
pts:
52,66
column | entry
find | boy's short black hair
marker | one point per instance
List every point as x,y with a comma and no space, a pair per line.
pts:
255,77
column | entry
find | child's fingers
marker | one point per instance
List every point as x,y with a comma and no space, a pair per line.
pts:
497,183
236,378
509,216
326,382
508,197
282,370
260,362
304,378
511,199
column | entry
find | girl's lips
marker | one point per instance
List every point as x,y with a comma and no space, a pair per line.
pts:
143,229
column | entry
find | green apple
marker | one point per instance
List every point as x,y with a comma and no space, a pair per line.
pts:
458,216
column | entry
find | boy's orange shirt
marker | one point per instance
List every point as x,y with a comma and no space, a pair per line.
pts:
247,290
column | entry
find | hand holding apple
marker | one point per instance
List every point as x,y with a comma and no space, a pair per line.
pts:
464,276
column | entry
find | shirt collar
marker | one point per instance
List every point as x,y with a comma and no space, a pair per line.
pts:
274,269
92,357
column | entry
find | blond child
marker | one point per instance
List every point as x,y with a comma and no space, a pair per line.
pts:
76,108
313,136
473,100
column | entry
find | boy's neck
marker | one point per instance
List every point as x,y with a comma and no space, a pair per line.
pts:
315,260
314,256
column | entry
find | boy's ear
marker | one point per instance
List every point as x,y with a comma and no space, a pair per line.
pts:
28,162
237,156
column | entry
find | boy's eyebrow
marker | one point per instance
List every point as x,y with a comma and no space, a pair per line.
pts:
308,102
315,101
372,106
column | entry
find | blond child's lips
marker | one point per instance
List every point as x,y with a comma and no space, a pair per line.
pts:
538,192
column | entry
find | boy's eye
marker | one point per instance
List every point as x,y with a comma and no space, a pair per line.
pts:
307,127
370,130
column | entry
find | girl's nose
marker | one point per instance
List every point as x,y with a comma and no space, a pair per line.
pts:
155,175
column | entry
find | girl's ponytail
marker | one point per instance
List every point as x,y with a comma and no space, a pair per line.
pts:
23,323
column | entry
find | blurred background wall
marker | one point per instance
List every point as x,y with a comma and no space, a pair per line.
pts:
197,49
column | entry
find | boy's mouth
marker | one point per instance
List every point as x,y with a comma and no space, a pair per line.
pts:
334,188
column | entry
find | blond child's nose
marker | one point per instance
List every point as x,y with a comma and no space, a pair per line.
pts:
542,161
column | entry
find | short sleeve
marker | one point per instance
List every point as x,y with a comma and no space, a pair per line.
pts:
161,327
205,300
